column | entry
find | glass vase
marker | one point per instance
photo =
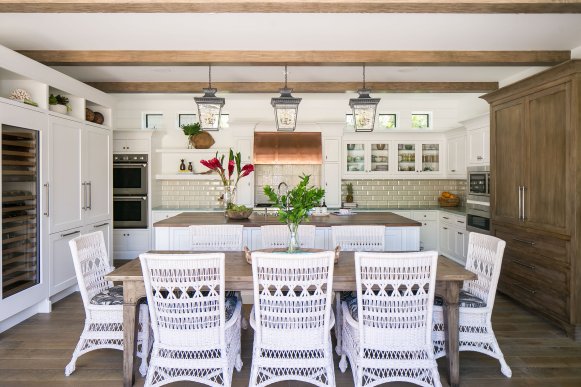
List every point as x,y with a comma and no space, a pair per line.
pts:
229,197
293,243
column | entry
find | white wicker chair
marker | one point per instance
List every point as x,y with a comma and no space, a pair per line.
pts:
485,259
278,236
103,321
193,339
354,238
216,237
359,238
292,318
391,339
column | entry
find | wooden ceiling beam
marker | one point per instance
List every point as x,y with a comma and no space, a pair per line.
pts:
298,87
298,58
291,6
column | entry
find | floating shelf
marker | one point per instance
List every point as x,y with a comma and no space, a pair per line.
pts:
187,176
186,150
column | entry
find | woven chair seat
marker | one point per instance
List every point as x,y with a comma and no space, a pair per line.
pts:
467,300
110,296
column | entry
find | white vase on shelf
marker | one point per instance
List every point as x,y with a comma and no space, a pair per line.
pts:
62,109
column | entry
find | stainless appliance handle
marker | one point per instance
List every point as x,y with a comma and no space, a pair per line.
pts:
519,203
84,204
100,225
523,201
518,285
128,165
46,212
70,233
130,197
90,189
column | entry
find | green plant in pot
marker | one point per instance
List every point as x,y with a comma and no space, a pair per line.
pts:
59,103
349,197
294,206
197,138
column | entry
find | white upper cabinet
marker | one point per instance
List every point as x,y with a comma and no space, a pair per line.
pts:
456,156
478,140
366,159
332,184
331,150
419,159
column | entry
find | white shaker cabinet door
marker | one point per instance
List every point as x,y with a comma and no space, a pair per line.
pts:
97,176
62,269
66,191
332,184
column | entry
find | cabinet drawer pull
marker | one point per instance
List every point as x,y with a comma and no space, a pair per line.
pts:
460,233
46,212
70,233
445,217
518,285
445,228
528,266
524,241
100,225
479,158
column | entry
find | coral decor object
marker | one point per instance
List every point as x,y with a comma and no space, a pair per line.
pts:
23,96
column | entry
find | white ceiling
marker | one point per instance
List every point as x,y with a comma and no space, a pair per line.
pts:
290,32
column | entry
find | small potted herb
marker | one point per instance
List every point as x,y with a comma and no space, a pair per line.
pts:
349,197
59,104
197,138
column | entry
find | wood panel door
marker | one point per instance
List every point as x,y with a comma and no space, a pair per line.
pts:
548,139
508,152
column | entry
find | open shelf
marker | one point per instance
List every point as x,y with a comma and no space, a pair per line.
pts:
187,176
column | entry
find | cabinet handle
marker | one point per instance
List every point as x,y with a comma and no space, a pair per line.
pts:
90,189
70,233
528,266
518,285
524,241
445,217
453,170
524,217
100,225
46,186
479,158
519,203
460,221
460,233
84,207
445,228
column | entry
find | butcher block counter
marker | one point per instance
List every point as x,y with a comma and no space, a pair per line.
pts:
401,234
386,219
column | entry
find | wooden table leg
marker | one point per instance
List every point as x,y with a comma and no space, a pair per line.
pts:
130,326
338,323
451,326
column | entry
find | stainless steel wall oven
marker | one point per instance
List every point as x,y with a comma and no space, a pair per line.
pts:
130,189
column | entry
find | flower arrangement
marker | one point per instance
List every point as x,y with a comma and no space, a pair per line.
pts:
227,174
294,206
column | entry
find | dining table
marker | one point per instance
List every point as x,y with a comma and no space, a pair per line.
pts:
238,277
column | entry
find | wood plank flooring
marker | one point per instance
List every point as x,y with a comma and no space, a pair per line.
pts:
36,352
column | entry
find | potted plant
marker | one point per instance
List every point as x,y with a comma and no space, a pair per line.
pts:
197,138
349,197
59,104
294,206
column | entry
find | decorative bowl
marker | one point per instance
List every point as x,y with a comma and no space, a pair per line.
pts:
233,214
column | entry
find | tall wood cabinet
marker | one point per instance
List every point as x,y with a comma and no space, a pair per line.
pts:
536,191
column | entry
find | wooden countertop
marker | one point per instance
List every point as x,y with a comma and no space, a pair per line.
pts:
387,219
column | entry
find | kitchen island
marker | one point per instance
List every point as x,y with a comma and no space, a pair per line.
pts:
401,234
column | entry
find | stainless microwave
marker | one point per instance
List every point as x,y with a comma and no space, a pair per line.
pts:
479,184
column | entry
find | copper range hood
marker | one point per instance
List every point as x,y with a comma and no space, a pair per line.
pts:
287,148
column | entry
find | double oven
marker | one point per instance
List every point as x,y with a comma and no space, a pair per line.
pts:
130,191
478,200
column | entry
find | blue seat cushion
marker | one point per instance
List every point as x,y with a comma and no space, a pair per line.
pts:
111,296
230,304
467,300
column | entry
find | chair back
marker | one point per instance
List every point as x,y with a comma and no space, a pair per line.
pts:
278,236
359,238
395,293
91,263
292,299
216,237
185,296
484,258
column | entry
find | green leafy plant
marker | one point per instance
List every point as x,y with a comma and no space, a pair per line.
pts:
349,197
59,100
191,129
301,199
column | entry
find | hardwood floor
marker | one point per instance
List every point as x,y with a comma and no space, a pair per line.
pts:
35,353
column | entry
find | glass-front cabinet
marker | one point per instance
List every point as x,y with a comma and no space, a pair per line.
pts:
419,157
366,157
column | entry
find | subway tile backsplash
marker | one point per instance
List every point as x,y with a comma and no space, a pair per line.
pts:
401,193
366,193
